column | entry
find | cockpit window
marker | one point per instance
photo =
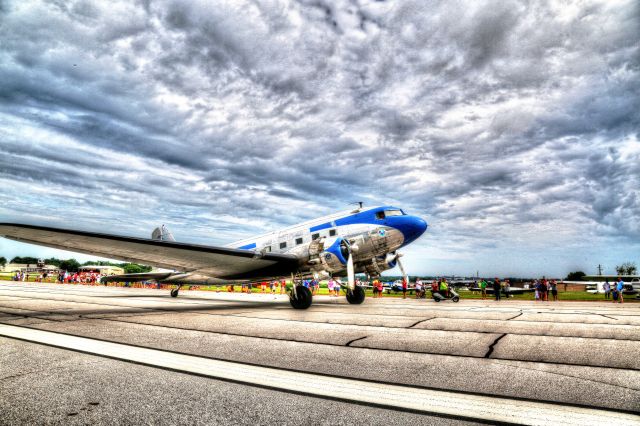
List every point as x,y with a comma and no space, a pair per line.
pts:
388,213
379,215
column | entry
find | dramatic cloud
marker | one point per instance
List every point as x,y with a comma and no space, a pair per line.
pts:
513,128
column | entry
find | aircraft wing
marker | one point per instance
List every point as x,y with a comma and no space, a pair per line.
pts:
219,262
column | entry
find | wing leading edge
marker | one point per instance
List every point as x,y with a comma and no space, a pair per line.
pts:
218,262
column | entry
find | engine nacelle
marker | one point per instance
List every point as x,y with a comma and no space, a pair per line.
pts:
381,263
334,258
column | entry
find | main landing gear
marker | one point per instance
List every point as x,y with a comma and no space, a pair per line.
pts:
355,296
174,292
300,297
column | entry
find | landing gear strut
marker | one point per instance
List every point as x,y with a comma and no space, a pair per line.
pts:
356,295
300,297
174,292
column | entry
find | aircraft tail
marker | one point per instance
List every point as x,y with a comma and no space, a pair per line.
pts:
162,233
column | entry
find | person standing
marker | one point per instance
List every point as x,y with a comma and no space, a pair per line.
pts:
496,289
404,287
620,288
607,289
507,288
483,289
418,288
553,286
543,290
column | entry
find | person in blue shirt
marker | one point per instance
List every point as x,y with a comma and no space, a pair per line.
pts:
620,287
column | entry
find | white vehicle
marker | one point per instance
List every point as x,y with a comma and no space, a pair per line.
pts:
345,243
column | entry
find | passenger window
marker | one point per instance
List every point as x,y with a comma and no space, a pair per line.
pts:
380,215
298,241
315,236
283,245
267,249
332,233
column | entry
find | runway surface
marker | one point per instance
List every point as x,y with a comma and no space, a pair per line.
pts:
81,354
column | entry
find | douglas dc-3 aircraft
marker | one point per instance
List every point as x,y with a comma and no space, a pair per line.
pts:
361,240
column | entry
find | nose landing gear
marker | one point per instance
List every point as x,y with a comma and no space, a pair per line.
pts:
355,296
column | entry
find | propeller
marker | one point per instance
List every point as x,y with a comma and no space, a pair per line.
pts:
404,274
351,276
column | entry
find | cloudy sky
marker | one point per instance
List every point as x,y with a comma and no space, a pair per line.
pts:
512,127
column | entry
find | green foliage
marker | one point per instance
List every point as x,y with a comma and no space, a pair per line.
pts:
627,268
133,268
70,265
575,276
27,260
3,261
52,261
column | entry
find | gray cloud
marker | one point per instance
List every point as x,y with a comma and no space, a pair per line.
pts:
505,125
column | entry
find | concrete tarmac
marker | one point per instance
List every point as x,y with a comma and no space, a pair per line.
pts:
581,355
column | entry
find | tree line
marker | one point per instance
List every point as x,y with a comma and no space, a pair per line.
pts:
626,268
72,265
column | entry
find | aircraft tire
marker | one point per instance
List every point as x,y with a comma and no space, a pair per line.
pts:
303,299
174,292
355,297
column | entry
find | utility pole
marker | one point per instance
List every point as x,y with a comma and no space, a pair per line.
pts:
599,269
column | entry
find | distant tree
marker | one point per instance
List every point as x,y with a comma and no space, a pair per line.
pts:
25,260
134,268
52,261
70,265
3,261
627,268
575,276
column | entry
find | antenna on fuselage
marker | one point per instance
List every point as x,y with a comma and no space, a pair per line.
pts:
359,203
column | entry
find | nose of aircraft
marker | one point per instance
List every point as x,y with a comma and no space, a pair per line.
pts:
410,226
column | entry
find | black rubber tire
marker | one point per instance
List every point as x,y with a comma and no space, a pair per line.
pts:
174,292
304,298
436,299
456,299
355,297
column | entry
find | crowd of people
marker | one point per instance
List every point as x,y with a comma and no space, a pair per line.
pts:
614,292
543,288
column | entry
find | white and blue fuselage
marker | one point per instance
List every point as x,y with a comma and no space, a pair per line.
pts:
371,235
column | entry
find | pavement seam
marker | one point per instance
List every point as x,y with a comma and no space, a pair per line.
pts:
514,317
490,351
418,322
341,345
355,340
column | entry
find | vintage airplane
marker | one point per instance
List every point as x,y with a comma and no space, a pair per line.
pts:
360,240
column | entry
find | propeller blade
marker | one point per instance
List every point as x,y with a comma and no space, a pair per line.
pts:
350,272
404,275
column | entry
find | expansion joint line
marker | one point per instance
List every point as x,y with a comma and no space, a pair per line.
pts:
413,325
355,340
490,351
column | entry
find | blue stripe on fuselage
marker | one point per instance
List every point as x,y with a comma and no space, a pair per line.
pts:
248,246
410,226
